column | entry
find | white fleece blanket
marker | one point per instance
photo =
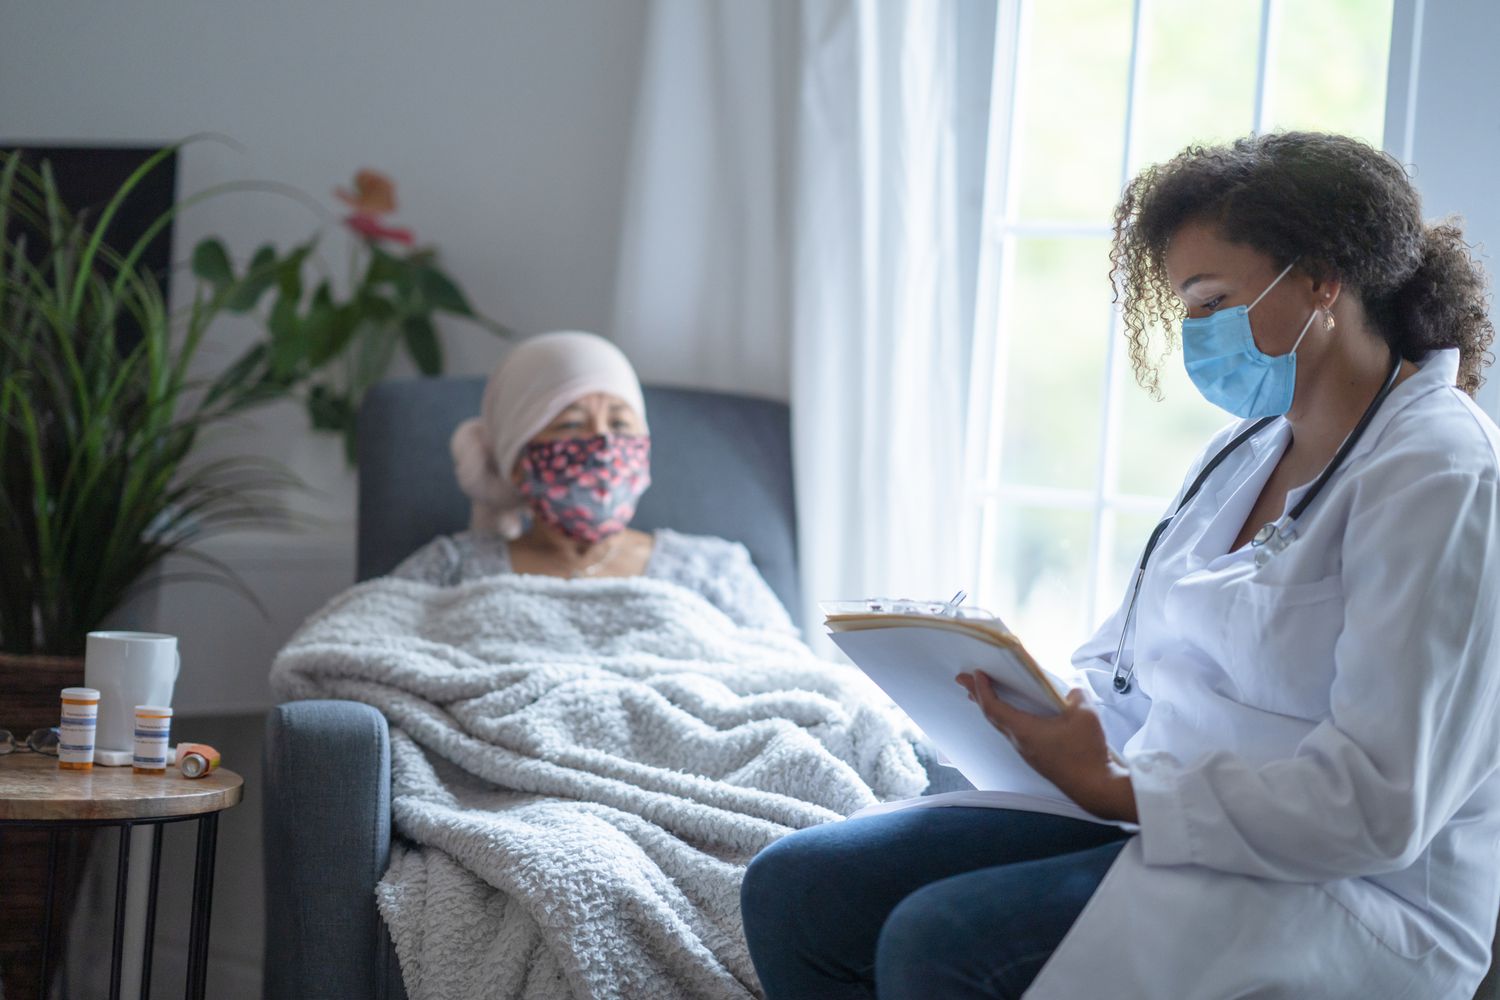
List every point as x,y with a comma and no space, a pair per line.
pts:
581,771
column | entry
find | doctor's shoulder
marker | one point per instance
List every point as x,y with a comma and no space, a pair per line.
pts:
1440,446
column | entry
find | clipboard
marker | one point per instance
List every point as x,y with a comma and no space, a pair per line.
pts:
913,650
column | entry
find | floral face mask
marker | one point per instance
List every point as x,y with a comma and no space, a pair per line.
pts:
587,488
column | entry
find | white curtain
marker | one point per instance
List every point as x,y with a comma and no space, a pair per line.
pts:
700,298
796,226
879,344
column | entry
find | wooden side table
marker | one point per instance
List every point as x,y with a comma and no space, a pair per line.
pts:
34,792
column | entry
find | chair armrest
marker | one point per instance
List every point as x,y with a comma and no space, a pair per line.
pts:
327,828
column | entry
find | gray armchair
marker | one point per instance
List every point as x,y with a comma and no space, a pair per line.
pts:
721,465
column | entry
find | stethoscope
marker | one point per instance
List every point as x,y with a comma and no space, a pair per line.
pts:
1269,540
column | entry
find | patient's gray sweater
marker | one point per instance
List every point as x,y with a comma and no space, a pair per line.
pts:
721,571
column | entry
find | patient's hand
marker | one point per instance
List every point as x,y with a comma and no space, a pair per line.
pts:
1068,749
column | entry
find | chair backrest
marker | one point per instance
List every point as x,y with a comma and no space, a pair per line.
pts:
720,465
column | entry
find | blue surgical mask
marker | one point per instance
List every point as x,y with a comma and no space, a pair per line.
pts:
1231,372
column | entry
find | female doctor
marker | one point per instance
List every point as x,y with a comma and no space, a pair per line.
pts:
1303,681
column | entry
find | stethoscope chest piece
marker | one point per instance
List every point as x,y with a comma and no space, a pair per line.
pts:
1271,539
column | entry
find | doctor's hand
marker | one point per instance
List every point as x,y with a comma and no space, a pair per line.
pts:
1068,749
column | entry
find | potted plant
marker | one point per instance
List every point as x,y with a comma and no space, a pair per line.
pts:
100,411
333,347
97,485
94,433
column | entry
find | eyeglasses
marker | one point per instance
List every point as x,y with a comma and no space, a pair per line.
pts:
40,741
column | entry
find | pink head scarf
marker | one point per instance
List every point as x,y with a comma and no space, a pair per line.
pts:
537,379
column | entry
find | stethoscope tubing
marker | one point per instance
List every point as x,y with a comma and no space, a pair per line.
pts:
1123,681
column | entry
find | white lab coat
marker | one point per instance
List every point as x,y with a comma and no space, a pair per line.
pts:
1313,743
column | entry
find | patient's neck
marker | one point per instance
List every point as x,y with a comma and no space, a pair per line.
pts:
545,539
550,552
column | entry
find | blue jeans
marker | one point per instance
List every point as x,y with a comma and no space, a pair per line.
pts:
947,902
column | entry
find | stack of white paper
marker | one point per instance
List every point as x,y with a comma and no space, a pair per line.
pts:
916,664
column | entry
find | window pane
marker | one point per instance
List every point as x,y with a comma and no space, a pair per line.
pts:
1069,129
1125,535
1038,576
1160,438
1130,530
1198,75
1328,67
1053,326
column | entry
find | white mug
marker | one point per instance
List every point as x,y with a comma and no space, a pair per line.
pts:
128,669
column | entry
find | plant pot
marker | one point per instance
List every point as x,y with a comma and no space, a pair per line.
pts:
29,699
30,688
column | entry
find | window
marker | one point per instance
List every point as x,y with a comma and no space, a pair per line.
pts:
1074,463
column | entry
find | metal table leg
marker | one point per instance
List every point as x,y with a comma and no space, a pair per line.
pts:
203,891
151,911
122,871
52,835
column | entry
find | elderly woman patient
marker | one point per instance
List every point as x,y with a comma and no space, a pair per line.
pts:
593,729
555,464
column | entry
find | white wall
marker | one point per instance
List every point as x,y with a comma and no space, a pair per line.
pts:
505,124
1443,119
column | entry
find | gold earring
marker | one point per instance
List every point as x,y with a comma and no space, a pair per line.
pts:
1328,323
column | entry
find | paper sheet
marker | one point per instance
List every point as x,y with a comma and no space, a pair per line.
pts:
916,667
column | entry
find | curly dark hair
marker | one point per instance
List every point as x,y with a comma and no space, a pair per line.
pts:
1339,208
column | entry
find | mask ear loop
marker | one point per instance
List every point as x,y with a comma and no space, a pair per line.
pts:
1272,285
1305,326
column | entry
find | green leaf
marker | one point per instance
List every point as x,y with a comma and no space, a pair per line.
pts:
329,410
261,276
442,293
211,263
289,272
346,325
387,269
375,308
287,345
238,375
289,279
422,344
326,327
